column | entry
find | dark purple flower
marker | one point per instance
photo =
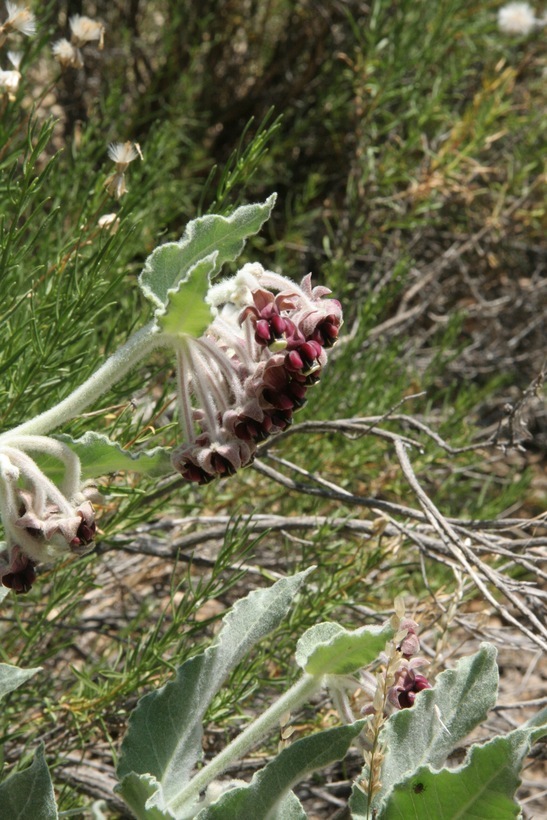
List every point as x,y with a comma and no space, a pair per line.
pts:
20,573
250,372
407,685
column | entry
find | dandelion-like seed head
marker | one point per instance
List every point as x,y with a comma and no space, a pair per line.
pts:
85,30
517,18
15,58
9,83
67,54
122,153
20,18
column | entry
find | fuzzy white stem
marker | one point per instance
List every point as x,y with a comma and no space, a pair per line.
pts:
120,363
290,701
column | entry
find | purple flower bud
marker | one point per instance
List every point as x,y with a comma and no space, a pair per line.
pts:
262,332
410,644
22,572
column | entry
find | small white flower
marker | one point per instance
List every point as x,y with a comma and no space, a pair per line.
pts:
20,18
517,18
66,54
84,30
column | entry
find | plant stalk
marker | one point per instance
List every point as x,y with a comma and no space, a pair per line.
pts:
291,700
120,363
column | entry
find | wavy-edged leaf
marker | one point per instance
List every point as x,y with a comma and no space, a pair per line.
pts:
187,311
329,649
29,794
262,797
164,738
169,264
144,796
484,786
11,677
99,456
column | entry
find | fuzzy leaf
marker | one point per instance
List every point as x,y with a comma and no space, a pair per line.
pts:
170,264
186,310
11,677
484,786
261,798
29,794
100,456
416,737
165,730
290,808
329,649
538,724
144,796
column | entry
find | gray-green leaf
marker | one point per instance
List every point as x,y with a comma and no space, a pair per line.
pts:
187,312
438,721
11,677
484,786
29,794
100,456
329,649
170,264
165,730
262,797
144,796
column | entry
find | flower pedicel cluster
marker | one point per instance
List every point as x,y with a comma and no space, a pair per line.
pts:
41,520
238,383
251,370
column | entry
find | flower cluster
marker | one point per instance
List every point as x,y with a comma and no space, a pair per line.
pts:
408,682
20,20
40,520
83,30
405,682
10,79
251,370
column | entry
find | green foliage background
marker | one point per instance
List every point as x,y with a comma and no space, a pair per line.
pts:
406,144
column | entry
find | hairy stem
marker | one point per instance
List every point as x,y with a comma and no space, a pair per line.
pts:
120,363
291,700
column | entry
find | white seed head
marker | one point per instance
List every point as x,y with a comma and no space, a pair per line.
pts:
85,30
516,18
122,153
66,54
9,82
109,222
15,58
20,18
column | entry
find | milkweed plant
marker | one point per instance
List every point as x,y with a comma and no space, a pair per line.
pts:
247,349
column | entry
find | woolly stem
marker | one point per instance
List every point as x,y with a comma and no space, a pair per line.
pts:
120,363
